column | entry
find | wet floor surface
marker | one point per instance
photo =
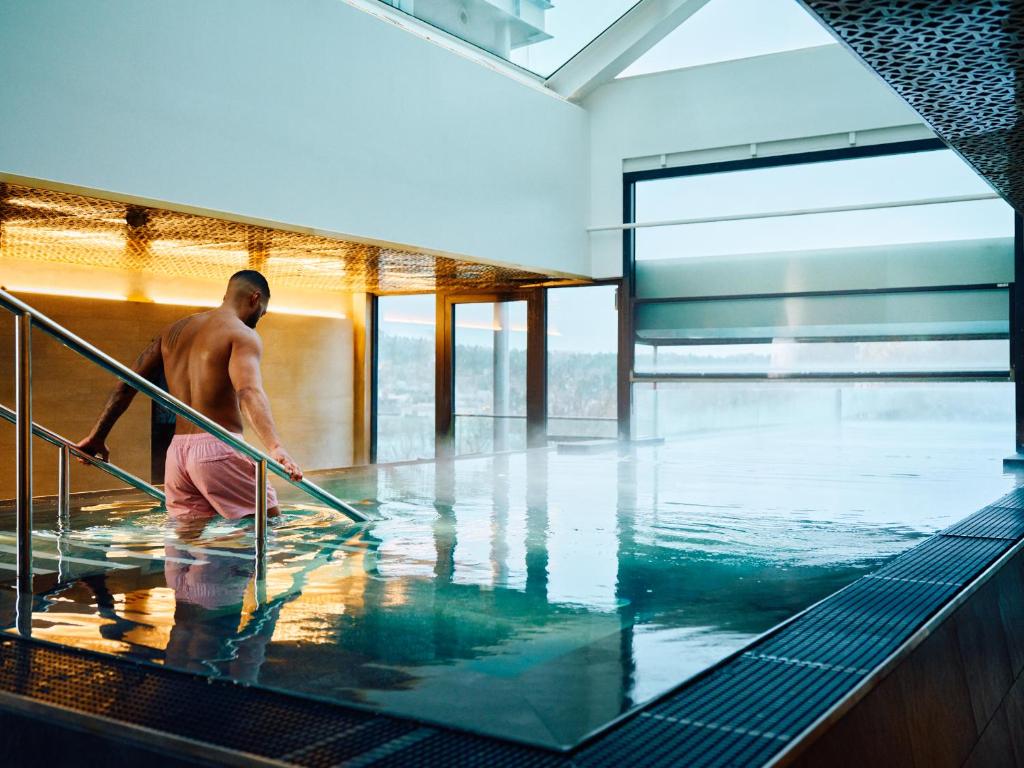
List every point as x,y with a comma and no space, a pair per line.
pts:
531,596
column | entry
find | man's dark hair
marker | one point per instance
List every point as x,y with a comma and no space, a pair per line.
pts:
253,279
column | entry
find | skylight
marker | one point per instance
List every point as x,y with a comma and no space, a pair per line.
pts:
538,35
725,30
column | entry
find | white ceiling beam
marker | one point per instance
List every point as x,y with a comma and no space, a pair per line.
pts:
639,30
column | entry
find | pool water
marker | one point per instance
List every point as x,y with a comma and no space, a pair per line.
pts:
531,596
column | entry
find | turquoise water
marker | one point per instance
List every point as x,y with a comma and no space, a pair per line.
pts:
532,596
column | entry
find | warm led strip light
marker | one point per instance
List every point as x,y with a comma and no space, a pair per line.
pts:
70,292
173,301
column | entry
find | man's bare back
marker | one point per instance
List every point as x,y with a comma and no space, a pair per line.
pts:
197,358
211,361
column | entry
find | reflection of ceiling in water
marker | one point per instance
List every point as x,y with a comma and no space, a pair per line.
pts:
62,228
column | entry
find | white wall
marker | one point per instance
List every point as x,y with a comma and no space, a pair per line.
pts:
716,111
315,114
306,112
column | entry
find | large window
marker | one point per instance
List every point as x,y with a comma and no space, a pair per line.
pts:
849,183
405,377
860,266
674,409
490,376
582,362
789,358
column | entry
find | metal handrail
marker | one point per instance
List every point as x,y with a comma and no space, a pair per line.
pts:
798,212
25,317
550,417
171,403
63,443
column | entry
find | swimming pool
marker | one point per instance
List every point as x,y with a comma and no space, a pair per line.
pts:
531,596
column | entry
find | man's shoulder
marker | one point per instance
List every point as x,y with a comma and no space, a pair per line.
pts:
241,333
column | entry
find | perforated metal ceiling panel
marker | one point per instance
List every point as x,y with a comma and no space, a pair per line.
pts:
60,228
959,63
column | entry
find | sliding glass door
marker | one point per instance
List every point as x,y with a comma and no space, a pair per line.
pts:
491,373
490,376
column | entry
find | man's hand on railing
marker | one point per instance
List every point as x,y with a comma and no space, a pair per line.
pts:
94,446
281,456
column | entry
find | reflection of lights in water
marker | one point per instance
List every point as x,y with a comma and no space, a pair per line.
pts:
153,611
78,629
395,593
328,591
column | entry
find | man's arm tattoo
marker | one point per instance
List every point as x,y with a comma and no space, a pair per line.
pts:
175,331
121,396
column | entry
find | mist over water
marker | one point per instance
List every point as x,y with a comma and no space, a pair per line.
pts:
523,583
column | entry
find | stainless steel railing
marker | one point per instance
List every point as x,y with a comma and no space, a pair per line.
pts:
67,449
25,317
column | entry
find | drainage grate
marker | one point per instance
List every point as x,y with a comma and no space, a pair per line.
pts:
1014,498
942,559
262,723
746,710
445,749
742,712
995,522
737,715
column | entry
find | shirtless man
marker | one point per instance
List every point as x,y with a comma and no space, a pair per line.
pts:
212,362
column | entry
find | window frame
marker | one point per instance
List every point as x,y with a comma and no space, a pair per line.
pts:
628,339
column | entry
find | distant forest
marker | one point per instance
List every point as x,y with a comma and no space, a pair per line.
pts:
579,384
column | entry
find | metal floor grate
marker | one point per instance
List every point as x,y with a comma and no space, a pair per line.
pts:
993,522
741,712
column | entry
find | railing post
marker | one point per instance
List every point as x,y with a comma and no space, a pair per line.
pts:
64,488
23,447
261,519
63,507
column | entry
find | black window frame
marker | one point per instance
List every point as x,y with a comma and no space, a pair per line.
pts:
630,180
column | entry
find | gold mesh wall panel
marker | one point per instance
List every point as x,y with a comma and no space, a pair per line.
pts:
51,227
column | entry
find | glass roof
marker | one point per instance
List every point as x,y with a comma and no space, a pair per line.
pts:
724,30
538,35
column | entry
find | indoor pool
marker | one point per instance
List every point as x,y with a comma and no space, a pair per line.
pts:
532,596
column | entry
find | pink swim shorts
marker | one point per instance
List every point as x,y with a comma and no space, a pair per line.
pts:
204,477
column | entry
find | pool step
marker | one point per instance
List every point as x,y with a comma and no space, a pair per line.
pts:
51,567
585,447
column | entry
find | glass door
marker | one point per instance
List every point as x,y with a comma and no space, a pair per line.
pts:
491,373
405,405
489,360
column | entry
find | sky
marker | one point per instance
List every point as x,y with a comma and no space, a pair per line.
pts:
572,24
724,30
720,31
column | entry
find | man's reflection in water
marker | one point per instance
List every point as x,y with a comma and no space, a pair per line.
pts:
213,630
